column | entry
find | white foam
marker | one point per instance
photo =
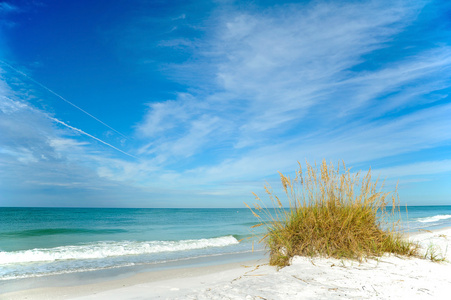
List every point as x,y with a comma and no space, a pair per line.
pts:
434,218
111,249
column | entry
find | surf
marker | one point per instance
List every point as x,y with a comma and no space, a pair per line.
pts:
101,250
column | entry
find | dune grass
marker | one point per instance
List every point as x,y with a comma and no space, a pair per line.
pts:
331,213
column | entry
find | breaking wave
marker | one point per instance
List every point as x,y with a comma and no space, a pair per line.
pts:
434,218
101,250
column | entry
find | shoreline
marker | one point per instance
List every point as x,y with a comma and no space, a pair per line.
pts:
159,283
387,277
67,286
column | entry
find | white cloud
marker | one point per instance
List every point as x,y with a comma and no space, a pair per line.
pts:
364,143
289,70
416,169
406,78
36,155
196,138
265,88
283,60
286,84
163,116
9,106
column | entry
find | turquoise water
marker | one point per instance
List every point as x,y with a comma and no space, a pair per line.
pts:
37,242
41,241
425,217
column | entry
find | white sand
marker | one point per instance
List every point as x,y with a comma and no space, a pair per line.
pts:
389,277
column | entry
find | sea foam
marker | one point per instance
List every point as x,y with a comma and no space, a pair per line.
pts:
111,249
434,218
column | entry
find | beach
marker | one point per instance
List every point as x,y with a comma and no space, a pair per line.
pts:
256,149
387,277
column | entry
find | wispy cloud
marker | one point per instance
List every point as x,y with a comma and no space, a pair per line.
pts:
417,169
261,89
297,81
59,96
89,135
299,69
41,156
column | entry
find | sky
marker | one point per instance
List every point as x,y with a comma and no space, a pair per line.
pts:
115,103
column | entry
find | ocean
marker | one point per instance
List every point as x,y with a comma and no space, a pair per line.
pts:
38,242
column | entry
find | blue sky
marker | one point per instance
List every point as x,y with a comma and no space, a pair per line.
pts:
199,103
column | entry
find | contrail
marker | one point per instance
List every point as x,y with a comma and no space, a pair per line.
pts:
61,97
91,136
74,128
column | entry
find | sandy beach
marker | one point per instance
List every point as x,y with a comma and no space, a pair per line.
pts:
225,149
389,277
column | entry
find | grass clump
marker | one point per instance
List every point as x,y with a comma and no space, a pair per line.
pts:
331,213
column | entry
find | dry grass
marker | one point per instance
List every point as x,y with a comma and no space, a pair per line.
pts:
331,213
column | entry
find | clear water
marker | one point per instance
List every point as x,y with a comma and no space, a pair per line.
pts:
42,241
416,218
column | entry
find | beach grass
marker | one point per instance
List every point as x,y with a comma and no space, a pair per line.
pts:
331,213
435,253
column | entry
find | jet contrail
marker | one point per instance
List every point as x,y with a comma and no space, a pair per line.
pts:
91,136
73,128
61,97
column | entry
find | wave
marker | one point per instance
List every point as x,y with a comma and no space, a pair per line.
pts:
111,249
97,268
56,231
434,218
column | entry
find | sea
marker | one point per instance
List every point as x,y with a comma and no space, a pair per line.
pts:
40,242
